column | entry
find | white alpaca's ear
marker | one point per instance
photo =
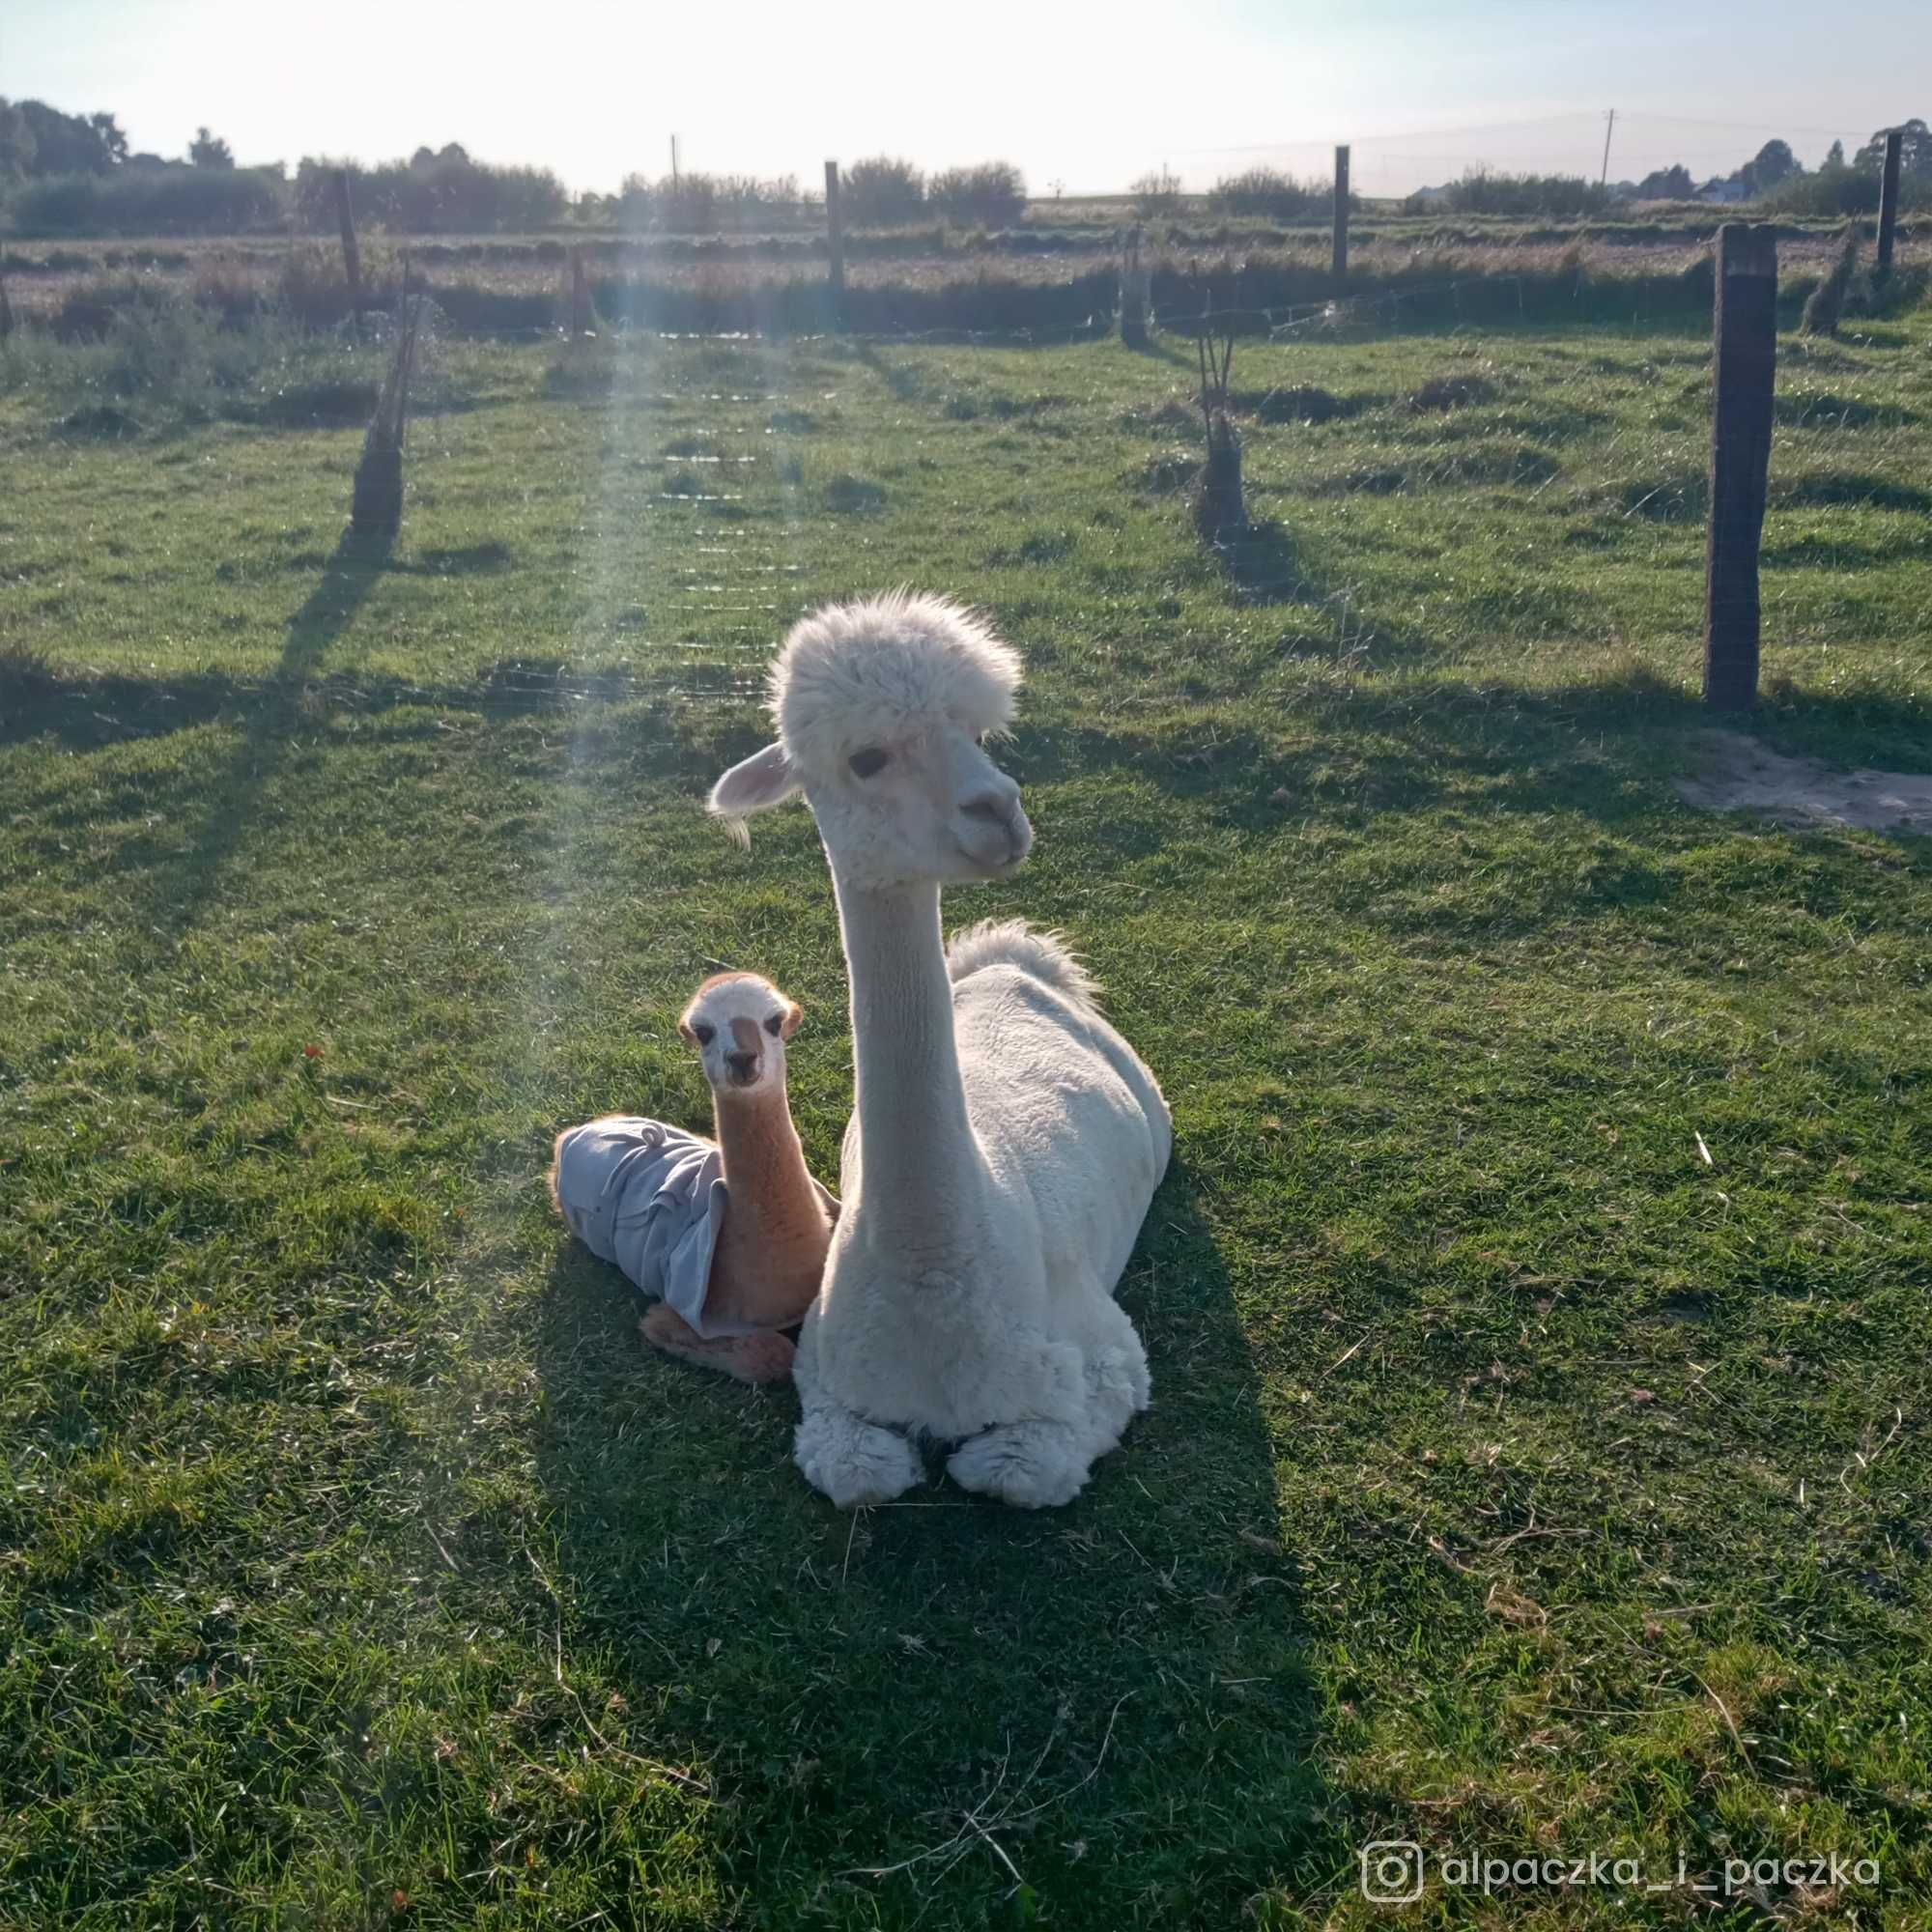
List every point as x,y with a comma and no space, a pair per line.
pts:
793,1014
755,785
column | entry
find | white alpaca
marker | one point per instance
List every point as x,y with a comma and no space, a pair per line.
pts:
1007,1140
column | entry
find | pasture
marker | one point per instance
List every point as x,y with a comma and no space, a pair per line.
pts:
1535,1303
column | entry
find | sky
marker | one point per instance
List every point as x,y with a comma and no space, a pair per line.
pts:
1084,97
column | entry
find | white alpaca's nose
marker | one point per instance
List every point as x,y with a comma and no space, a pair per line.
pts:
995,802
994,820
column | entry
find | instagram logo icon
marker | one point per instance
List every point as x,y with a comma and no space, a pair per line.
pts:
1391,1873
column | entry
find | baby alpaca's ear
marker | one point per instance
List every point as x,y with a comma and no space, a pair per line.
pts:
793,1014
684,1027
754,784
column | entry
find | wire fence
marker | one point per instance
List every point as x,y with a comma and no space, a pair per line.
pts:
719,609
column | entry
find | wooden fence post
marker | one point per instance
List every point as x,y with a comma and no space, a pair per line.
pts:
1744,345
579,292
1135,280
834,236
1341,216
352,261
1887,200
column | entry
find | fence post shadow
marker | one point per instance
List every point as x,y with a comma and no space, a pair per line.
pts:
179,889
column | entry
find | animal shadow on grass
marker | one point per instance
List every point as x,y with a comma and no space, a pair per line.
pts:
1118,1681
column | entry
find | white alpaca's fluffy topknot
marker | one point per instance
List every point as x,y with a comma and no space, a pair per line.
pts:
864,672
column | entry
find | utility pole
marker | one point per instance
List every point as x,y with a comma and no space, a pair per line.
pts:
1603,179
673,162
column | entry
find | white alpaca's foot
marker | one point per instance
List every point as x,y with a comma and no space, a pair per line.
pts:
1118,1389
853,1461
1030,1465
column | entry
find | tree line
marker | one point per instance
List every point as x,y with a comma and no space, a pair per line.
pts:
1774,175
72,173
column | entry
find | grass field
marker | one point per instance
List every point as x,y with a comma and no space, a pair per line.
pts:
1538,1463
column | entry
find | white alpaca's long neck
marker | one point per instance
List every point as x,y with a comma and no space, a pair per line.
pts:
914,1133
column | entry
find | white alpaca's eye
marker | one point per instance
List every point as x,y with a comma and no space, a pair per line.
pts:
773,1024
703,1034
869,764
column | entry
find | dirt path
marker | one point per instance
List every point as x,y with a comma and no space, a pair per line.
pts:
1738,774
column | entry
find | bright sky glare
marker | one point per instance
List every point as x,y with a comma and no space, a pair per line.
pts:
1086,96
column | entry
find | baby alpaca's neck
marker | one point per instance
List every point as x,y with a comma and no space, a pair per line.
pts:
772,1196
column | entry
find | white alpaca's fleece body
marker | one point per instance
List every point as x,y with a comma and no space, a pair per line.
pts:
1007,1140
1006,1316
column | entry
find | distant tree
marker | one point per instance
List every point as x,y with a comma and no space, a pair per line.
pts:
1156,193
210,151
65,144
423,158
993,192
1479,191
16,143
1671,183
1834,154
112,139
1267,191
446,197
1915,161
883,189
1772,164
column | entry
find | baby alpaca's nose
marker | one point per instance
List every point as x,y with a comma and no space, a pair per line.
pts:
742,1064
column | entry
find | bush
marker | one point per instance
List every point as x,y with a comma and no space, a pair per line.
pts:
1827,303
1839,190
165,360
706,204
1481,192
993,193
882,191
443,193
1156,193
1266,191
152,201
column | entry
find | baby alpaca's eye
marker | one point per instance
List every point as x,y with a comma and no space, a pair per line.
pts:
869,763
703,1034
773,1024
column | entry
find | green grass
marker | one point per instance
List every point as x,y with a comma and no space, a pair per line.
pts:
1516,1481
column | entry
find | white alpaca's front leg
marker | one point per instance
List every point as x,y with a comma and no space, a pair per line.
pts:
842,1456
1030,1465
1042,1464
1118,1383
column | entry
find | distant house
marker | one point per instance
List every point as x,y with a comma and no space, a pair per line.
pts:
1725,193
